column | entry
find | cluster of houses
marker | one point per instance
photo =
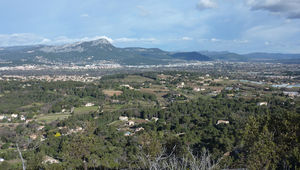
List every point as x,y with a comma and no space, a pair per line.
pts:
181,85
34,136
128,133
130,123
291,94
12,117
71,131
49,78
197,89
127,86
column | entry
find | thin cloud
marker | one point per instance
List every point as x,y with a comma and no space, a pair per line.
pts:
215,40
103,37
206,4
122,40
84,15
22,39
241,41
45,41
64,39
143,11
33,39
287,8
187,38
274,33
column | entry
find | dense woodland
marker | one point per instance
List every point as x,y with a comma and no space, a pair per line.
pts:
179,127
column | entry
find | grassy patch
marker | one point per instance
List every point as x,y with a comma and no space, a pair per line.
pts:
32,105
85,110
52,117
117,123
112,107
136,78
112,92
159,91
10,125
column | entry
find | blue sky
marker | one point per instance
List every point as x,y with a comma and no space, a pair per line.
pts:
176,25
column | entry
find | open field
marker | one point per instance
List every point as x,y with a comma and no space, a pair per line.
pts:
52,117
85,110
11,125
32,105
158,90
163,76
136,78
112,92
112,107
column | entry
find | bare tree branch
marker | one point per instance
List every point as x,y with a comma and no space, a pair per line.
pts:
20,154
171,161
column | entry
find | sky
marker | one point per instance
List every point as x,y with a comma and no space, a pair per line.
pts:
241,26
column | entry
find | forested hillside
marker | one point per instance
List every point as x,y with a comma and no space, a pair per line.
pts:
148,120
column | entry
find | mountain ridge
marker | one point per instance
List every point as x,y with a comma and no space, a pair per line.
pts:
100,50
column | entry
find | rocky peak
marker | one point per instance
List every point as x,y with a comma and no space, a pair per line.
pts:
100,42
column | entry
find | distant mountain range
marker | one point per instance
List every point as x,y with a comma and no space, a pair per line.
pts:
102,51
196,56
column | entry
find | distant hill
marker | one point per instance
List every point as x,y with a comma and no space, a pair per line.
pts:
102,51
253,57
92,52
224,56
272,56
191,56
87,52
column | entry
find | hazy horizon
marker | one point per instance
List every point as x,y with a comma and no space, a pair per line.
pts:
243,26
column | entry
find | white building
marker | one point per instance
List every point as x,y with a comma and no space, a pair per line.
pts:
262,104
127,85
22,117
2,117
197,89
139,129
14,115
130,123
50,160
123,118
181,85
89,104
33,136
222,121
155,119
